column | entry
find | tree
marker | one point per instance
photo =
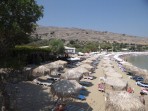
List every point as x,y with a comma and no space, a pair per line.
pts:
17,21
57,46
91,47
106,45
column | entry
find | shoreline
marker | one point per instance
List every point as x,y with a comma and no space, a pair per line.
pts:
120,58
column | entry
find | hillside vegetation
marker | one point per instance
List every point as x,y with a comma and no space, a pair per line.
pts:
69,34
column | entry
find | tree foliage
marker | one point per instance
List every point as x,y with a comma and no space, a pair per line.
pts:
56,46
17,21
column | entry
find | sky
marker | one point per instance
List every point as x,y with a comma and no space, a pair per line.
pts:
118,16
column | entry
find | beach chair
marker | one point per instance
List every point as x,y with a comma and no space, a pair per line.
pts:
83,92
81,97
73,108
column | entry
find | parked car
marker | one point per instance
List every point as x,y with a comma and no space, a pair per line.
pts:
144,91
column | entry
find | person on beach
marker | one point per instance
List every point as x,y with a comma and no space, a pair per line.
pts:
130,90
101,87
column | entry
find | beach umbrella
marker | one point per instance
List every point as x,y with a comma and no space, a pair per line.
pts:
52,65
54,72
87,66
109,69
112,73
123,101
72,75
81,70
107,65
61,62
87,61
116,83
93,58
40,71
65,88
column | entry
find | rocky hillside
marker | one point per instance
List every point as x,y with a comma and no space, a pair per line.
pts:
86,35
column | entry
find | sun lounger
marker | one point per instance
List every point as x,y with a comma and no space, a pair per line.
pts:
36,81
141,84
73,108
81,97
83,92
45,84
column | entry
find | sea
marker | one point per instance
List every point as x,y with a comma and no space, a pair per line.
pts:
140,61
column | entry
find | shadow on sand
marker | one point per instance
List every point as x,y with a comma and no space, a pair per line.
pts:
26,96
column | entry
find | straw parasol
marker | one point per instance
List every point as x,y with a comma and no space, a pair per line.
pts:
61,62
52,65
40,71
87,66
113,74
117,84
65,88
107,65
81,70
87,61
123,101
54,72
72,75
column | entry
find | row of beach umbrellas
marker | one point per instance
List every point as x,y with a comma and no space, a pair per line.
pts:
68,86
119,99
112,77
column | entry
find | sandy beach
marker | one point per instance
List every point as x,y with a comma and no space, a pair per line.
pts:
96,99
40,98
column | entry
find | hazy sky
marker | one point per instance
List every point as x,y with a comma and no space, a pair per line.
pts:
119,16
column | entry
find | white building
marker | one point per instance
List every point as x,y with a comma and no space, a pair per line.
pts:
70,50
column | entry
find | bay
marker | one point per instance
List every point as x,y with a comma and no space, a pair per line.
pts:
140,61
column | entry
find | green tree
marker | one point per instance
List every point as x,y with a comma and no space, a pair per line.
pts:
17,21
91,47
57,46
106,45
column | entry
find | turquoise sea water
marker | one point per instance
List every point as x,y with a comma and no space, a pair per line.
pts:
140,61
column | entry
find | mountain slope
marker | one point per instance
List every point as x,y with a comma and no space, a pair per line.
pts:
87,35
